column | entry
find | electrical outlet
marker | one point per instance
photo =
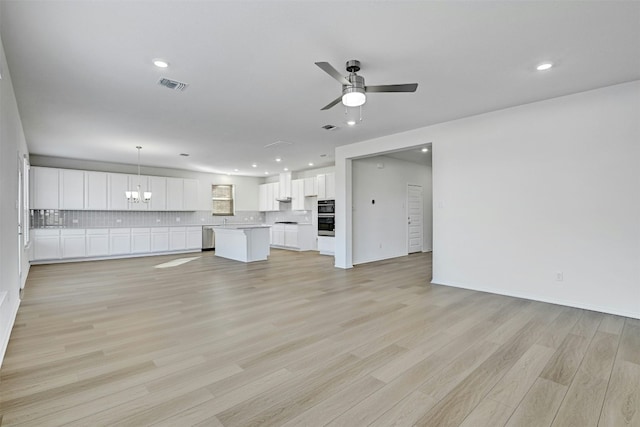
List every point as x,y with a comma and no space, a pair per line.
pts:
178,219
118,220
157,219
559,276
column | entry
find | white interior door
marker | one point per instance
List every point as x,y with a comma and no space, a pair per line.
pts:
415,216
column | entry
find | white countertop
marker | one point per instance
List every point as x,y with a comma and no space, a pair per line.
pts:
239,226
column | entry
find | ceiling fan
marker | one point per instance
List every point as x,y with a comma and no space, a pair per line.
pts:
353,88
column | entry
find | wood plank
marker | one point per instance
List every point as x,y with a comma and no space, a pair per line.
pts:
539,406
583,402
622,402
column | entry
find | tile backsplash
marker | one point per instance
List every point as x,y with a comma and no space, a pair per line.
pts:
44,218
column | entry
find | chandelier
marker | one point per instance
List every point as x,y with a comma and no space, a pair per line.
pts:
137,196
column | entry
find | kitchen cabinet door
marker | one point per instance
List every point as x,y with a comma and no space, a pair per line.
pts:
140,240
119,241
326,245
297,195
71,189
262,198
190,195
284,185
46,244
310,186
95,191
175,194
322,193
277,234
159,239
97,242
158,188
44,188
177,238
118,184
330,186
143,181
275,190
291,236
194,237
73,244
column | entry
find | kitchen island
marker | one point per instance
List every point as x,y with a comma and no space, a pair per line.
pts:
246,243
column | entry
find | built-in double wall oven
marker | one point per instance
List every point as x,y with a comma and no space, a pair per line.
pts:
326,217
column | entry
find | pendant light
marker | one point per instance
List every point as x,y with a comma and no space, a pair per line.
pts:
137,196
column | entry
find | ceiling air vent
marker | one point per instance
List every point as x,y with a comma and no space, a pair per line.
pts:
329,127
172,84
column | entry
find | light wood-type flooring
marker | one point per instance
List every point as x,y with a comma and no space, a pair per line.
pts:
294,341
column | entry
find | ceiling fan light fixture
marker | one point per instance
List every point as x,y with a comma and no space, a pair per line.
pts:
353,96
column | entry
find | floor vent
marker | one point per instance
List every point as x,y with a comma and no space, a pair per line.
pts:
172,84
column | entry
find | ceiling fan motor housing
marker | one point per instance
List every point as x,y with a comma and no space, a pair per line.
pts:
353,66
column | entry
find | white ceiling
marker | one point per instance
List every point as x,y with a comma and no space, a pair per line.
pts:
86,87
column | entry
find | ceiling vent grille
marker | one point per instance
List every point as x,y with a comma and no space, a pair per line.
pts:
172,84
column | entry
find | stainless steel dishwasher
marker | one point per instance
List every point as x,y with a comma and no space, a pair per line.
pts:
208,238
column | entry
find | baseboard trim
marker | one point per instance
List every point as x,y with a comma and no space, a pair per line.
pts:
524,295
99,258
6,334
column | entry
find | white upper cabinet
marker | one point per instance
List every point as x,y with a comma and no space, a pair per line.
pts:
118,185
262,198
95,191
44,188
330,186
311,186
190,194
158,188
71,189
284,190
175,190
297,195
143,182
327,186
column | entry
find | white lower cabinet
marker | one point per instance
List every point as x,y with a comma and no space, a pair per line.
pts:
326,245
56,244
194,237
177,238
46,244
140,240
293,236
97,242
119,241
159,239
73,243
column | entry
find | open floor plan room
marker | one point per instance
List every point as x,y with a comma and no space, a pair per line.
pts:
294,341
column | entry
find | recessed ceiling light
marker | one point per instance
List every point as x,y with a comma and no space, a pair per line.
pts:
236,170
310,164
351,122
286,169
266,173
278,159
424,150
544,66
160,63
254,165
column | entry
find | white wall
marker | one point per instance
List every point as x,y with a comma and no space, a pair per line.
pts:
380,228
526,192
246,188
12,148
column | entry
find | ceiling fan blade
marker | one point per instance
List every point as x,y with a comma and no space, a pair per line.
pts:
409,87
328,68
332,103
